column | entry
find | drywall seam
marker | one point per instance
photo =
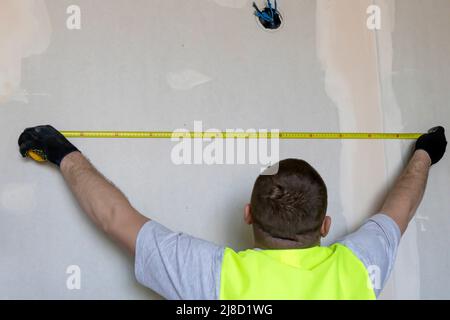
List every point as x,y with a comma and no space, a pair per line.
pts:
358,81
25,30
186,79
18,198
406,274
347,54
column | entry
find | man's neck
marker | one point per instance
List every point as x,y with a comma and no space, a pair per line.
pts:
280,244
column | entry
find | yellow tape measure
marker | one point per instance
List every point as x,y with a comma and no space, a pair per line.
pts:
238,135
39,156
36,155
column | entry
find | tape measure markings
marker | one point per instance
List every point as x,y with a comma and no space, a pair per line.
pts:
240,135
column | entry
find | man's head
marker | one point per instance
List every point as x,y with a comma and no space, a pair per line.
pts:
288,209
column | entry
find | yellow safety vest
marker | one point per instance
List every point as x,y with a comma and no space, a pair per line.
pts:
315,273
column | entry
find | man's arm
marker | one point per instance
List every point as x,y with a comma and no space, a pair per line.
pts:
402,201
102,201
375,243
175,265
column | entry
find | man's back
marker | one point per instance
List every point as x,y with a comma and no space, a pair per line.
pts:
178,266
315,273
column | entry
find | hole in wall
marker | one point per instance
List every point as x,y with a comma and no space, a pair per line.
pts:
269,18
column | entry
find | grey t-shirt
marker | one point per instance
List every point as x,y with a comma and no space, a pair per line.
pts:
179,266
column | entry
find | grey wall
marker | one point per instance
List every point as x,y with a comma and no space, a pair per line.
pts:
113,75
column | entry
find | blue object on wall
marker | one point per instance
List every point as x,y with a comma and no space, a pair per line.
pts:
269,17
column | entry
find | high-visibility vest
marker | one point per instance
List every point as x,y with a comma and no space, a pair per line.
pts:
332,272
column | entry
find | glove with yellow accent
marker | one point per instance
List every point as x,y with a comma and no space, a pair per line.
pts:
45,143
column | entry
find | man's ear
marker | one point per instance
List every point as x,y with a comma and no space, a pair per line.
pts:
326,224
248,214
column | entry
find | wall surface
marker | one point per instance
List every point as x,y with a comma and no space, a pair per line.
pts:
161,65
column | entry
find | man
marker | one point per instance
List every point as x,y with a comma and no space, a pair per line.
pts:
288,213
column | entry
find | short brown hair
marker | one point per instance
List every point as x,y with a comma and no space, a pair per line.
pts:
291,203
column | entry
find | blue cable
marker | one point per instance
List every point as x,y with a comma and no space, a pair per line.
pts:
264,15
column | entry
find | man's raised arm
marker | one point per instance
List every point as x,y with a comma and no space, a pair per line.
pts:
403,200
100,199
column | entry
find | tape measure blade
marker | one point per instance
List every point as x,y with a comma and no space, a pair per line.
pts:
240,135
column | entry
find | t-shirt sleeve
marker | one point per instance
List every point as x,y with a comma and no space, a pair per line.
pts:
176,265
375,243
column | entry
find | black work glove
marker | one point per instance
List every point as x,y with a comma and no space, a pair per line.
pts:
47,142
434,143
